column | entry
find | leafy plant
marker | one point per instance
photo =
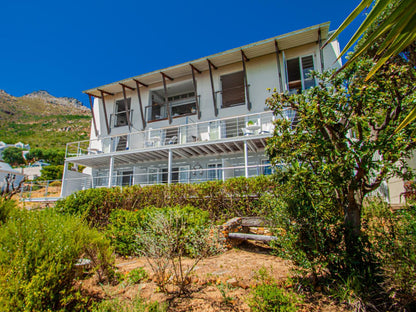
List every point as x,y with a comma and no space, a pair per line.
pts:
168,237
135,276
269,296
38,254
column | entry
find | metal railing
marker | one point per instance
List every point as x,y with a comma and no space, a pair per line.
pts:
119,119
41,191
178,175
214,130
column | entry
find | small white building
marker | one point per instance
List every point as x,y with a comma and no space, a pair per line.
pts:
202,120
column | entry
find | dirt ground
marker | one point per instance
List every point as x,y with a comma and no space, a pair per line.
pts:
219,283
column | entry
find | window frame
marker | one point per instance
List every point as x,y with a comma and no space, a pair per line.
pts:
302,78
243,86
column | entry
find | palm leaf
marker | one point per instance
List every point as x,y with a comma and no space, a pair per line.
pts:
409,118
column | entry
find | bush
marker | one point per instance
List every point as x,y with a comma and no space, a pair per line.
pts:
171,234
123,225
135,276
6,208
222,200
393,238
269,296
38,254
137,305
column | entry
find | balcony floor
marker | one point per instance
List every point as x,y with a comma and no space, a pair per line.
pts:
255,143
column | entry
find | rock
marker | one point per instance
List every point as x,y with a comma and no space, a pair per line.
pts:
232,282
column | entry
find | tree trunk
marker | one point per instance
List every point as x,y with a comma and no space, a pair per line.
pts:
352,222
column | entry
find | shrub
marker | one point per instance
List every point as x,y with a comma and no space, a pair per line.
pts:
222,200
393,238
269,296
6,207
137,305
38,254
171,234
135,276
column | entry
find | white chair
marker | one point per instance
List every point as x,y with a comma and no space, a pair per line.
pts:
204,136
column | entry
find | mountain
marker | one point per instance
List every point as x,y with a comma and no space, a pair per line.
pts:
43,120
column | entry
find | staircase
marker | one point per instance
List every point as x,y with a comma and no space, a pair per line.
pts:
122,143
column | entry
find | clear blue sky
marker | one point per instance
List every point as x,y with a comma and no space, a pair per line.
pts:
65,47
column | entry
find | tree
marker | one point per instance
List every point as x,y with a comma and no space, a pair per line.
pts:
344,135
52,172
393,22
13,156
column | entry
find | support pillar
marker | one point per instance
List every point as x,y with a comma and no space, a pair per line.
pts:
111,172
170,167
245,159
279,71
64,177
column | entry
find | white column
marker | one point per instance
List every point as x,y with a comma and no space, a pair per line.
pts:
63,178
245,159
170,167
111,171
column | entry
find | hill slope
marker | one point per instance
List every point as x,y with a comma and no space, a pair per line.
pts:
43,120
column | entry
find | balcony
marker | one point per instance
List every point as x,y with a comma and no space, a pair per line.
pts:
215,132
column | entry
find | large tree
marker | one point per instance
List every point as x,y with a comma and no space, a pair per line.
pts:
344,134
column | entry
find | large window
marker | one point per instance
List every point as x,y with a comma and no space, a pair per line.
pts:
181,102
214,172
120,116
233,92
298,73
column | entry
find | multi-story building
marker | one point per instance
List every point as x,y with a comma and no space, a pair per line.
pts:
201,120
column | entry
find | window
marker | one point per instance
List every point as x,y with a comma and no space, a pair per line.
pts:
214,172
181,102
266,167
233,92
298,74
120,116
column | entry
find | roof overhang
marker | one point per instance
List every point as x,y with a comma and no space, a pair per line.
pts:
253,50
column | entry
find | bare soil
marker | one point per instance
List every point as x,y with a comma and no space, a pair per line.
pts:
233,272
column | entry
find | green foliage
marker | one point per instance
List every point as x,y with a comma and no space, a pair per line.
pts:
171,234
222,200
137,305
51,172
13,156
393,236
38,254
345,136
269,296
307,232
6,208
135,276
53,156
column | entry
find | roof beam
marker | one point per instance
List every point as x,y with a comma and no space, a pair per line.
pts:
214,95
105,113
279,71
165,88
164,75
244,59
105,92
126,106
93,117
195,90
126,86
140,103
139,82
321,56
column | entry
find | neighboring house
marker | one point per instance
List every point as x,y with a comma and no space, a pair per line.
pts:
21,145
198,121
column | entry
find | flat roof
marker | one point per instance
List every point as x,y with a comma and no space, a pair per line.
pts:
260,48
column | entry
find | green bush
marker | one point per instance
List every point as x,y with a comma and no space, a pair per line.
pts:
222,200
137,305
123,225
393,238
269,296
38,254
6,207
135,276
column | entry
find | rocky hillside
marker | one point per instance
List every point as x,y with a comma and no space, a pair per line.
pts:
43,120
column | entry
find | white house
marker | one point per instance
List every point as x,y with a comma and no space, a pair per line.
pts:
202,120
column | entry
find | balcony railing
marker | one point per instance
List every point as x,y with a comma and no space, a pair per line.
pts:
120,119
192,133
